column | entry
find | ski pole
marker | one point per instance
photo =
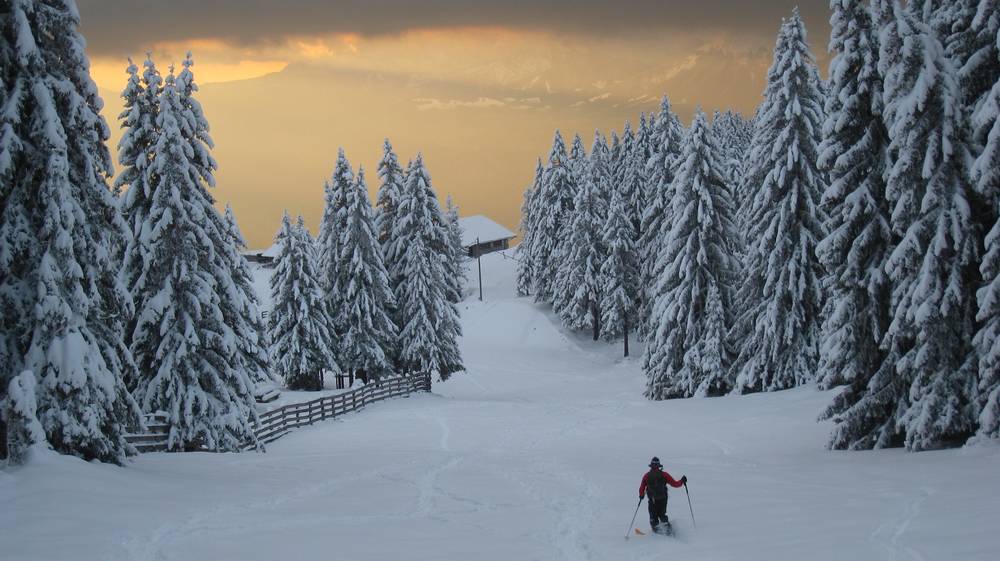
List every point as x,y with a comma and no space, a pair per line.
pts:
686,492
632,523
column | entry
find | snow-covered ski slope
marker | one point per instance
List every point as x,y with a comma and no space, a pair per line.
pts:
534,454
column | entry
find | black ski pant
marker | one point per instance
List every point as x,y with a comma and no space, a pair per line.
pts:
657,512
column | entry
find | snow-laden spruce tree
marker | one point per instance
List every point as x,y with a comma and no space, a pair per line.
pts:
331,228
62,307
782,293
446,243
525,266
731,135
577,294
24,433
135,155
195,130
138,119
429,323
688,354
252,343
632,179
986,175
577,158
300,328
858,239
933,267
390,176
619,271
665,146
621,158
555,206
455,265
391,183
368,334
980,65
184,342
641,152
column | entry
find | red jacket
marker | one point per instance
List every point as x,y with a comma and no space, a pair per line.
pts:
670,481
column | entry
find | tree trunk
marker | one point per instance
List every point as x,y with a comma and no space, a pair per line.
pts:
597,320
626,339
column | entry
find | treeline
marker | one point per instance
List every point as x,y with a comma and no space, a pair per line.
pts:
846,237
118,301
376,292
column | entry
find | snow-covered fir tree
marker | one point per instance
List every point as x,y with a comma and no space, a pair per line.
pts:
63,309
665,146
301,329
138,121
577,294
525,265
577,158
619,271
429,323
331,229
368,333
688,353
135,155
632,179
621,158
778,330
641,152
933,267
731,135
986,176
237,298
391,183
446,243
555,206
184,341
980,66
24,433
390,176
248,326
455,265
859,239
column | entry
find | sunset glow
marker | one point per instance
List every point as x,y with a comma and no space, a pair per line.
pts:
480,101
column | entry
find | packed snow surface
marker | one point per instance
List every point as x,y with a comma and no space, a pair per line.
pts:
535,454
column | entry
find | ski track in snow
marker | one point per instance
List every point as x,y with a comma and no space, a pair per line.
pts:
154,547
891,533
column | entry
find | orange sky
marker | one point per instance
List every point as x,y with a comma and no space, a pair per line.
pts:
481,103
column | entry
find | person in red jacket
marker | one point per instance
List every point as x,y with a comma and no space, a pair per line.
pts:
654,483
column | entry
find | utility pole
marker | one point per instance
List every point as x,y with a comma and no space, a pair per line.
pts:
479,263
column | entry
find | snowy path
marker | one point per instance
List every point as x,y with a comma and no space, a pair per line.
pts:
535,454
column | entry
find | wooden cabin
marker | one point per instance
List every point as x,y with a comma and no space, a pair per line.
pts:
481,235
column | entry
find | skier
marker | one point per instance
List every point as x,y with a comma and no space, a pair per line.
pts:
655,482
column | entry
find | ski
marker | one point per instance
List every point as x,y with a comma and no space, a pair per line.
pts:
668,533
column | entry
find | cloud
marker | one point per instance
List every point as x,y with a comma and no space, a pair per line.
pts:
430,103
426,104
673,71
118,27
600,97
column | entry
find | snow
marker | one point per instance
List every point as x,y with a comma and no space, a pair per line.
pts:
535,453
481,228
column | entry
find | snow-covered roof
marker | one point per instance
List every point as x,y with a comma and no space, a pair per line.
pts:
481,227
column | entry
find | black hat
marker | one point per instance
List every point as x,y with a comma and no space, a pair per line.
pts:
655,462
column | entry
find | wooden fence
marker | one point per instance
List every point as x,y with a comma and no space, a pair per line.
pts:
272,425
